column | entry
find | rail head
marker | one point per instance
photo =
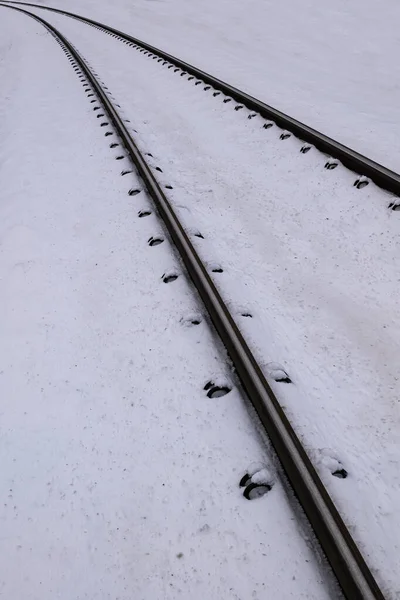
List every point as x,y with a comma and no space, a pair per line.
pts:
350,568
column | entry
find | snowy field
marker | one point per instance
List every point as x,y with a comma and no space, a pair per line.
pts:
120,473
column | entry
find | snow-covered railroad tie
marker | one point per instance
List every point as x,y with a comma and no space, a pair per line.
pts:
347,563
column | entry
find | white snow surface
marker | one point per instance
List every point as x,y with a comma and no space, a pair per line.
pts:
119,477
313,259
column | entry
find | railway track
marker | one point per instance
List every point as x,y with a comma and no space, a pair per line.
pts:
364,167
348,565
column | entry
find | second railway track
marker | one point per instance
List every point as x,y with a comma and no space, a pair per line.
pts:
350,568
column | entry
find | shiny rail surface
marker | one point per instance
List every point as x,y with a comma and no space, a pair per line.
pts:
350,568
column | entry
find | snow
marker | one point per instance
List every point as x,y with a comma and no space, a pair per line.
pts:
120,477
277,372
264,475
312,258
332,65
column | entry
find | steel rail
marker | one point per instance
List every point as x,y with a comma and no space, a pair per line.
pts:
350,568
382,176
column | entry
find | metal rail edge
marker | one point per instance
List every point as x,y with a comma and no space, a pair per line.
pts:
382,176
350,568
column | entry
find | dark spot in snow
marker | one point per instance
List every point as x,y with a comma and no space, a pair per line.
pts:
278,373
284,135
155,241
340,473
194,319
227,100
159,169
134,192
144,213
179,555
395,205
190,78
149,154
169,278
126,172
104,124
169,187
245,480
267,125
107,133
216,391
304,149
100,115
330,165
256,490
215,94
208,87
96,108
199,235
360,183
217,270
247,315
252,116
119,157
239,107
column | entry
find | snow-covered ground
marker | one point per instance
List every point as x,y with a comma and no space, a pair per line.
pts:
333,65
119,476
314,260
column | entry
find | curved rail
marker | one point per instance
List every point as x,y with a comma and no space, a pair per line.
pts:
382,176
352,572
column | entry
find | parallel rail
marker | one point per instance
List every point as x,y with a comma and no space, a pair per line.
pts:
382,176
351,570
